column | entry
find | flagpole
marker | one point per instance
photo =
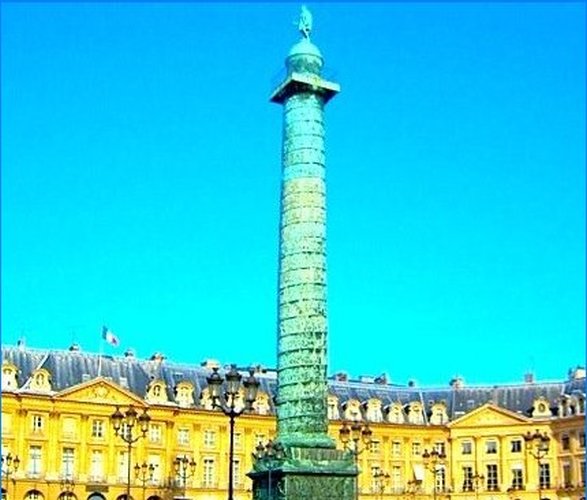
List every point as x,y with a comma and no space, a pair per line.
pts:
100,356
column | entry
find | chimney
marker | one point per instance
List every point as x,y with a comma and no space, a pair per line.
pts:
210,363
21,344
457,382
74,347
341,377
158,357
129,353
529,378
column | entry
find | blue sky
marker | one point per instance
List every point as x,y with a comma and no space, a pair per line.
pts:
141,177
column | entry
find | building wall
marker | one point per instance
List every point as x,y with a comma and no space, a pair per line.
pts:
51,431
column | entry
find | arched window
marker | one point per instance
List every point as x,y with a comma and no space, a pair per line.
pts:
34,495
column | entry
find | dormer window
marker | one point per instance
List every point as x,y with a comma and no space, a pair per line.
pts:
353,411
40,380
184,394
396,414
438,415
8,377
156,392
332,408
541,408
261,404
374,411
415,414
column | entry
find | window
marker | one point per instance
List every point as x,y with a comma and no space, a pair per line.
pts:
517,478
544,476
238,440
37,423
440,448
122,466
34,461
440,478
582,439
396,449
155,433
183,437
516,445
67,461
260,438
97,466
375,447
467,478
582,472
466,447
97,429
155,460
333,409
565,442
396,479
209,477
209,438
567,476
375,479
236,472
416,448
492,482
491,446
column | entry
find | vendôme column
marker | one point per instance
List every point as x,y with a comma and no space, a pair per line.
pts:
302,381
308,466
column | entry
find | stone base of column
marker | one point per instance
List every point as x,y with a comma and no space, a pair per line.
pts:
305,474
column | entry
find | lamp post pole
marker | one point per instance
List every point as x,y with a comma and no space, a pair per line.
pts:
184,468
226,401
381,478
477,480
356,433
144,473
431,461
124,425
537,444
10,465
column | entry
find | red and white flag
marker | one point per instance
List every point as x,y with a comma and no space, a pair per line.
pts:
109,337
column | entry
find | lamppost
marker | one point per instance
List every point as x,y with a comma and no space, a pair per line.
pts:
431,461
184,468
124,425
10,465
381,478
537,444
356,433
270,454
144,473
412,488
476,481
67,486
226,401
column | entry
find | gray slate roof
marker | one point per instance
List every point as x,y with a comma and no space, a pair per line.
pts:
71,367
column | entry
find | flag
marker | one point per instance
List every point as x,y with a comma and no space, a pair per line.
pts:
109,337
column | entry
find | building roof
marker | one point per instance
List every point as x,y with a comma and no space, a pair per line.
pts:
68,368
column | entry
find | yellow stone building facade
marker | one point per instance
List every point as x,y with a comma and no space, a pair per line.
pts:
466,443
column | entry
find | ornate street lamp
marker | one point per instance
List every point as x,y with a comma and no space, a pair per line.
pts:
477,482
270,454
431,461
184,469
413,487
10,465
67,486
355,434
144,473
537,444
226,401
130,427
381,479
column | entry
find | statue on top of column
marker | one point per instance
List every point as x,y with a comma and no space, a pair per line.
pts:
305,24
